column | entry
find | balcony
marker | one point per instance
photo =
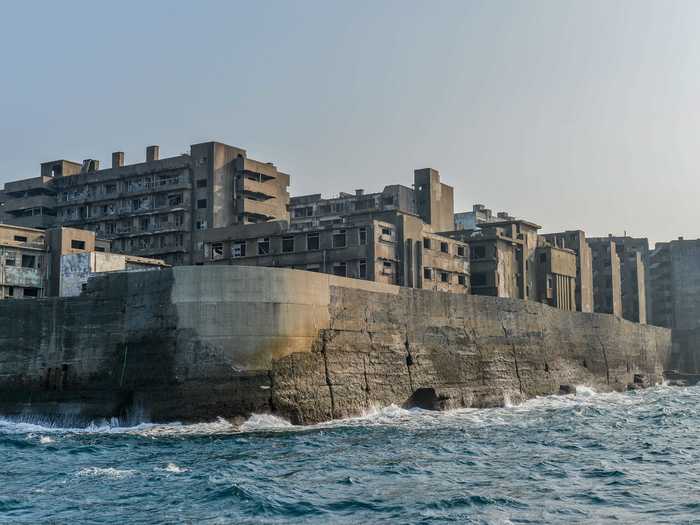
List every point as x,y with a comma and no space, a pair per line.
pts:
269,208
25,277
255,187
23,203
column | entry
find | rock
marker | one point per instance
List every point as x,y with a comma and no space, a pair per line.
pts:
427,399
565,390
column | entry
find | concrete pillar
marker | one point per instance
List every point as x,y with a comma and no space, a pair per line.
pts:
152,153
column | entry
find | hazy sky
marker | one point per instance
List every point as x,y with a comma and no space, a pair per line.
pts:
570,114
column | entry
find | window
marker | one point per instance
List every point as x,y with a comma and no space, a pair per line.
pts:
387,267
179,239
478,279
264,246
460,251
387,232
217,250
426,243
543,257
363,269
175,199
444,247
9,262
201,204
20,238
549,282
238,249
339,239
428,274
28,261
363,235
136,204
143,223
340,269
444,277
200,225
31,292
77,245
478,252
11,291
110,188
99,249
179,218
202,183
288,243
312,241
387,201
462,279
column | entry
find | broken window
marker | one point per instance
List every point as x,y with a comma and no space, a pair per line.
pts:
312,241
460,251
264,246
428,274
144,223
444,247
340,269
31,292
238,249
179,219
28,261
202,183
110,188
217,250
288,244
363,269
175,199
9,262
20,238
136,204
201,204
339,239
11,291
444,277
478,252
462,279
77,245
387,267
426,243
363,235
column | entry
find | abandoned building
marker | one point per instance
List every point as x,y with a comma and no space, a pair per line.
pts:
575,240
607,288
151,208
386,237
470,220
502,258
634,255
56,262
556,276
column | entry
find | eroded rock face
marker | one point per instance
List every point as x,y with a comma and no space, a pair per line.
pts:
440,351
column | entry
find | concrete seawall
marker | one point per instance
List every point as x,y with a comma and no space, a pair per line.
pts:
193,343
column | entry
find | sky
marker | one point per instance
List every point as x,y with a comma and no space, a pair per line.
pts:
570,114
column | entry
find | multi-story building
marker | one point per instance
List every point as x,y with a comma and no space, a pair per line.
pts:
607,289
502,258
470,220
556,276
576,240
152,208
23,262
56,262
386,237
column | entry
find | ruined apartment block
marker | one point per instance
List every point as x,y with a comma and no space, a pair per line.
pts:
152,208
607,289
556,276
575,240
23,263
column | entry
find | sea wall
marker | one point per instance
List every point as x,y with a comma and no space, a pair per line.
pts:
193,343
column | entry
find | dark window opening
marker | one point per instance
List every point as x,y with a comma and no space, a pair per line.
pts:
444,277
363,269
462,279
77,245
31,292
460,251
312,241
340,269
288,244
543,257
20,238
264,246
363,235
28,261
426,243
201,204
427,274
478,252
444,247
202,183
9,262
339,239
238,249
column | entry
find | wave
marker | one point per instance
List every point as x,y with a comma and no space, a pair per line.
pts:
108,472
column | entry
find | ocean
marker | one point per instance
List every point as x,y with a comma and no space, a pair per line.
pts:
586,458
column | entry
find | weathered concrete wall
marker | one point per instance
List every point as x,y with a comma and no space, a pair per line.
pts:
199,342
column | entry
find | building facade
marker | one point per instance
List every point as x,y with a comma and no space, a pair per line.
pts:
607,289
23,263
556,277
151,208
575,240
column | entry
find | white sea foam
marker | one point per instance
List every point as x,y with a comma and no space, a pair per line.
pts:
585,391
45,440
264,422
109,472
172,467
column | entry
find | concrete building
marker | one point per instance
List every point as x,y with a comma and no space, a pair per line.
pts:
556,277
362,247
607,288
151,208
429,199
23,262
575,240
56,262
502,258
470,220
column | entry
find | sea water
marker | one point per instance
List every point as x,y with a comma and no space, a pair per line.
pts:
585,458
